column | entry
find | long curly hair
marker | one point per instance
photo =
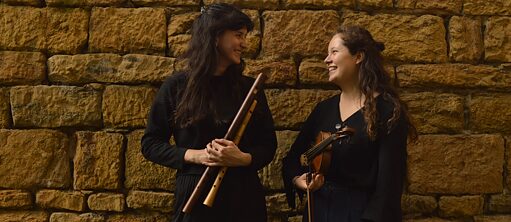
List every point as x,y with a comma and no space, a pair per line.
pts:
373,78
202,60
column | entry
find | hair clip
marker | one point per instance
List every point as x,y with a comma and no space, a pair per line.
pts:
203,9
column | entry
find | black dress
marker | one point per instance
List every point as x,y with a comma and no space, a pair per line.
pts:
241,195
365,178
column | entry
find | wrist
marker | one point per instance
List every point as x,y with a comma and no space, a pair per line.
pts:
246,159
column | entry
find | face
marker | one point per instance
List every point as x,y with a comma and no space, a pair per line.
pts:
342,66
230,44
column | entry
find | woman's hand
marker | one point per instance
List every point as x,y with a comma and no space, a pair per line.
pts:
317,181
222,152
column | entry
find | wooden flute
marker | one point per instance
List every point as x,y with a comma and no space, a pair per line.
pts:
234,134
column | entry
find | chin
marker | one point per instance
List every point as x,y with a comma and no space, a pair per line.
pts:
236,61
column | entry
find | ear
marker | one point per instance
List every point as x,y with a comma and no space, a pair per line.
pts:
359,57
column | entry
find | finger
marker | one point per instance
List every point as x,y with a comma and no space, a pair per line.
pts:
216,145
224,142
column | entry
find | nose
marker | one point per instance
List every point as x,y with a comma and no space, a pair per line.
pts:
243,43
327,59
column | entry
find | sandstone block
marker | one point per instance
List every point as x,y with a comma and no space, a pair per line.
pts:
458,164
97,162
406,37
127,107
34,158
55,106
128,30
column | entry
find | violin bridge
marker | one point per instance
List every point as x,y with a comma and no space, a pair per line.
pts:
303,160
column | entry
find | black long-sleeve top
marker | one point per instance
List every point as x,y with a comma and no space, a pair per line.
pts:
377,167
259,138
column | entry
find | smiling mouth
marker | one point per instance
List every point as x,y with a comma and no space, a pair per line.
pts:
332,68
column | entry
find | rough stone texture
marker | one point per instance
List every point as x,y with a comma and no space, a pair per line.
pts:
271,175
166,2
435,112
84,3
258,4
127,107
297,32
109,68
5,110
465,38
497,40
483,7
150,201
34,158
57,30
496,218
280,72
313,71
452,6
398,32
143,174
106,202
72,217
123,30
453,75
22,28
144,217
376,3
178,44
67,30
15,199
25,216
291,107
500,203
490,113
318,3
97,162
277,203
461,206
23,2
508,152
413,204
181,23
22,68
433,219
456,164
55,106
57,199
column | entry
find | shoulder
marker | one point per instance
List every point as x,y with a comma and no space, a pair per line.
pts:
174,81
328,103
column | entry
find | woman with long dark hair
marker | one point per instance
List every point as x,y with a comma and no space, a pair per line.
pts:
366,174
197,106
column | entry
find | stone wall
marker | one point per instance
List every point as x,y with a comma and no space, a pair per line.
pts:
77,78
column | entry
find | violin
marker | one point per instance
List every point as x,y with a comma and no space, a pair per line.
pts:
318,157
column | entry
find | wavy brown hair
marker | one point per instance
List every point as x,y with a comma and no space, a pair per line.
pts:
373,78
202,60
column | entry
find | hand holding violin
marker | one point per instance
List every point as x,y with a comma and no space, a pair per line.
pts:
316,182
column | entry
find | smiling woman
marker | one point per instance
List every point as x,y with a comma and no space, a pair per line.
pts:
365,177
197,106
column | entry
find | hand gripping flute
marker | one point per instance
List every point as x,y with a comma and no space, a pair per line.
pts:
234,134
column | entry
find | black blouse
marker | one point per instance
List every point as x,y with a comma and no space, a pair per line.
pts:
240,184
259,138
377,167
